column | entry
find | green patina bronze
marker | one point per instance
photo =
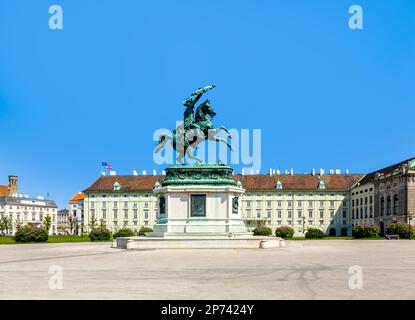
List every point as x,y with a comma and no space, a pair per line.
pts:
209,174
196,128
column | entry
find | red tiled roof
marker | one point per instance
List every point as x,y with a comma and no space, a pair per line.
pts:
128,183
370,177
4,190
264,182
260,182
77,197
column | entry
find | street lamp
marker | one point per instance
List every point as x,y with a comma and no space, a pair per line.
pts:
409,217
303,224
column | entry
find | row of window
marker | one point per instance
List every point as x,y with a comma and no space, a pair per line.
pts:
289,214
360,201
290,203
126,214
23,208
117,204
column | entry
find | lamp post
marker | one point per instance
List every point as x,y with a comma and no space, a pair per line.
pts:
303,224
409,217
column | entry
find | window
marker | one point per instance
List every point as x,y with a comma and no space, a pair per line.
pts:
146,204
115,204
299,213
382,206
321,214
146,214
104,213
104,204
321,203
310,203
344,214
258,204
258,214
269,214
279,214
331,214
135,214
269,204
299,203
115,214
388,205
279,203
331,203
248,204
289,214
125,204
289,203
126,214
395,204
310,213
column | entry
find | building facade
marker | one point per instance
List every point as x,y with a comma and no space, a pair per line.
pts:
362,202
301,201
22,210
76,212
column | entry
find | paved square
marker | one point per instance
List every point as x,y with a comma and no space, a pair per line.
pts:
302,270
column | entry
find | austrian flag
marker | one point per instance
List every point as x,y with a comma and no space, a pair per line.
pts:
106,165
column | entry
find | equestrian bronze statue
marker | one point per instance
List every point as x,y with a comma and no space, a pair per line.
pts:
196,128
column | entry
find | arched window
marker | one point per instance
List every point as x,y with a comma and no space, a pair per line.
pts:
382,206
388,205
395,204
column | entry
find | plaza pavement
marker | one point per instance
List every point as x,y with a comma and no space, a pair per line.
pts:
302,270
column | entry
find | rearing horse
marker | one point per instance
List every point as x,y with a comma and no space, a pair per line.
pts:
185,141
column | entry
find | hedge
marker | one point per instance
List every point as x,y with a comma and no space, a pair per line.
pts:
313,233
31,233
143,230
125,232
262,231
284,232
404,230
365,231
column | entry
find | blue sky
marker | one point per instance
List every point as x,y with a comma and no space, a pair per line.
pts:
322,94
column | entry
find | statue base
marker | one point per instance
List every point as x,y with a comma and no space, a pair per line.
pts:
199,207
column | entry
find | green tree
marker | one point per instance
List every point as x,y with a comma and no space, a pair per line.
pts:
6,224
47,222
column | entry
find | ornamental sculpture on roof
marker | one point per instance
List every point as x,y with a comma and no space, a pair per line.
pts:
196,128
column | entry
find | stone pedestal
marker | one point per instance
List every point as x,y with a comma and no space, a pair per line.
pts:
199,206
199,200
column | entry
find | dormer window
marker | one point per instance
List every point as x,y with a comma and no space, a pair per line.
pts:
116,186
278,185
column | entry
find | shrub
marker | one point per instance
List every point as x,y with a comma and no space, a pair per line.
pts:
365,231
404,230
124,232
284,232
313,233
100,234
262,230
143,230
31,233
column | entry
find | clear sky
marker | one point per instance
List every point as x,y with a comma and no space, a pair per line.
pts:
322,94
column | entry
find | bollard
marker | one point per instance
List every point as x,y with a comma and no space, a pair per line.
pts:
282,243
264,244
130,244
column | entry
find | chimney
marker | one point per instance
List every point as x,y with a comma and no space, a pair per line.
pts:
291,171
321,172
13,184
144,172
313,172
154,172
135,173
270,171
